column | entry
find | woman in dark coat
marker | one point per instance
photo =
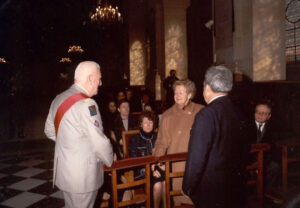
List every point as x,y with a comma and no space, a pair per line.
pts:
141,145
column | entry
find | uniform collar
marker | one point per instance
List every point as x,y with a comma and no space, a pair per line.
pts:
80,88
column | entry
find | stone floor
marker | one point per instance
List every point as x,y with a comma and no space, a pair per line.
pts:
26,176
25,181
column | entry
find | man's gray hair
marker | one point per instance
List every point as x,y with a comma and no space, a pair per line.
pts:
85,68
219,78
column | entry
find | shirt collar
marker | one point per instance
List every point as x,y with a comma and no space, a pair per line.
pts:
262,124
215,98
81,88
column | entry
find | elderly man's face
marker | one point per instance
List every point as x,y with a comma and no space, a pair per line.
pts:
262,113
95,82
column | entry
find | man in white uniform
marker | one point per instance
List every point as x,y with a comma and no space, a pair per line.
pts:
74,123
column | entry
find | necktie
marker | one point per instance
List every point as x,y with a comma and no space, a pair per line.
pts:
259,133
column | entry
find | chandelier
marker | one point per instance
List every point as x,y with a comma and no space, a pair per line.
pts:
75,49
106,14
65,60
2,60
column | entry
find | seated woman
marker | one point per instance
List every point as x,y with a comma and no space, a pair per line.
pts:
142,145
109,115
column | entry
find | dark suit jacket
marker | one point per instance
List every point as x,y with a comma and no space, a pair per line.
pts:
214,172
270,136
268,133
118,127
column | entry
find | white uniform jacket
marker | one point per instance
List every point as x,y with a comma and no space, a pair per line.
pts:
81,147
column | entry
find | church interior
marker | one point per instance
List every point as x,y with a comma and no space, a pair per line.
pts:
136,46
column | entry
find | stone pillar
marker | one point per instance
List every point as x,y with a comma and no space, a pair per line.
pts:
268,40
259,39
175,36
224,27
160,48
137,16
242,37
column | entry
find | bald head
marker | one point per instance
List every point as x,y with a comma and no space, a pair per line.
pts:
88,75
84,69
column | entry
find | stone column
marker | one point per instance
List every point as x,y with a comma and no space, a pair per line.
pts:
175,36
268,40
259,39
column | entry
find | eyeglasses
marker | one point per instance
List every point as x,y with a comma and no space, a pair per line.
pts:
262,113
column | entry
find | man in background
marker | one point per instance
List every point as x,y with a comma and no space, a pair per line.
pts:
261,130
168,85
81,148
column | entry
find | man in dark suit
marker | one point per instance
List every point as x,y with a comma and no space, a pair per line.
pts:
214,172
261,130
124,121
168,85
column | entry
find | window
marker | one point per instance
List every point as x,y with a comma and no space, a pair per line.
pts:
292,14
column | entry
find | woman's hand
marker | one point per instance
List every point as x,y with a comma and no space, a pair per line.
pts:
162,166
156,173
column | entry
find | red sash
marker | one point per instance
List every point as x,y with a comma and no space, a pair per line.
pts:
65,106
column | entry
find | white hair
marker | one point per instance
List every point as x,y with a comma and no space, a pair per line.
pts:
219,78
84,69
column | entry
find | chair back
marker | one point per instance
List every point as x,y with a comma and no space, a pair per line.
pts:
137,113
256,200
126,136
288,147
170,174
118,167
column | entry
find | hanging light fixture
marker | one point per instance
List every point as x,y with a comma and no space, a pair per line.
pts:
65,60
2,60
75,49
106,14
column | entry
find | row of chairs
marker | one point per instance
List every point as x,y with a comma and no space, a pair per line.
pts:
288,147
129,164
287,158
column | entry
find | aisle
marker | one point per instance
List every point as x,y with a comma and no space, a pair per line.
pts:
26,181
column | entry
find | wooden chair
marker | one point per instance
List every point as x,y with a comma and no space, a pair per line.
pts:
126,136
129,175
286,159
256,200
253,201
128,164
168,160
137,113
104,204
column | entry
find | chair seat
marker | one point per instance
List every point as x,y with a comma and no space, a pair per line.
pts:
184,206
104,204
277,195
253,201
